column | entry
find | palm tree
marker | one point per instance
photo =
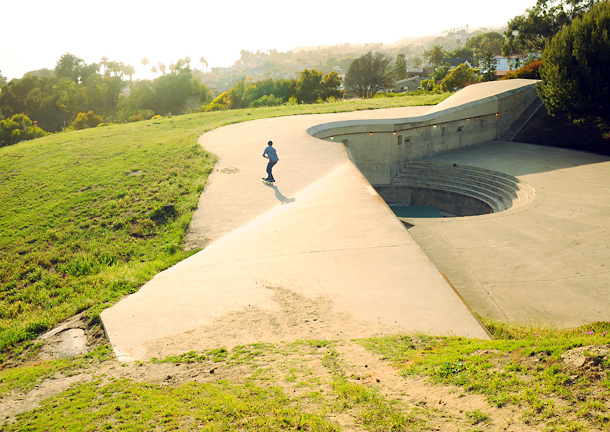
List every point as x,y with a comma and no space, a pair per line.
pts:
129,70
203,62
154,69
435,55
162,68
144,61
104,62
187,60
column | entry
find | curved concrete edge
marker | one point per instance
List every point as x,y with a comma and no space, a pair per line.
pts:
474,100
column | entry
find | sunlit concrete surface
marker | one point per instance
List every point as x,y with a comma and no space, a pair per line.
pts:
317,255
547,261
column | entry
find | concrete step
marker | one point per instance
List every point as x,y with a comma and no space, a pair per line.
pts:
523,119
462,172
469,178
495,202
499,190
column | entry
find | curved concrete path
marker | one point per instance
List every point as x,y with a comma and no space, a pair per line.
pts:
317,255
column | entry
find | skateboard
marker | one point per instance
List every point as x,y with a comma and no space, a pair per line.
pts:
267,182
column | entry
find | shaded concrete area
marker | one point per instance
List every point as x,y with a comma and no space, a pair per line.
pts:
546,261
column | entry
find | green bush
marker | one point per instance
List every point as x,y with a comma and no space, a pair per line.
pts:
19,128
86,120
266,101
459,77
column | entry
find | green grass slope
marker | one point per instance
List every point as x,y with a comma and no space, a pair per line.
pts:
87,217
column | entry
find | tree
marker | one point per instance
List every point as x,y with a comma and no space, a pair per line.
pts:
416,61
484,42
203,62
489,67
74,68
2,79
458,77
162,68
463,53
435,55
18,128
345,63
309,86
41,73
576,64
531,31
441,72
129,70
368,74
104,62
400,67
330,86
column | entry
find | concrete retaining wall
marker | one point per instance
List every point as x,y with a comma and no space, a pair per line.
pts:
450,202
478,113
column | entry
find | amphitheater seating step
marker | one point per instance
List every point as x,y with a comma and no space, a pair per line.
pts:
498,190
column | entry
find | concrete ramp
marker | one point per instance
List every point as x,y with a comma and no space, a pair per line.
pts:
317,256
336,251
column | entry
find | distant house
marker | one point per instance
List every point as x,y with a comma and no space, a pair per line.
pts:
503,63
222,70
408,84
455,62
420,72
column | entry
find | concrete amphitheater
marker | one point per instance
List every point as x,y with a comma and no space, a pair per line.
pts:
522,232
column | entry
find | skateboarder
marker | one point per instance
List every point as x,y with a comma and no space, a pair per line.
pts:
270,154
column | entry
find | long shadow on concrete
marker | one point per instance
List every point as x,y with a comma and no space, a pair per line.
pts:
281,198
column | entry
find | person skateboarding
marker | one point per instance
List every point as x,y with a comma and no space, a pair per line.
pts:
270,154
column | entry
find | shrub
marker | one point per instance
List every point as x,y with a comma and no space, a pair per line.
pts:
219,104
155,117
19,128
428,85
530,71
86,120
266,101
459,77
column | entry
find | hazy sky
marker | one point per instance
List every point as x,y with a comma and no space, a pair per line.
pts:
35,33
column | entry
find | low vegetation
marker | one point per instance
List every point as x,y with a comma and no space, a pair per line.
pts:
526,377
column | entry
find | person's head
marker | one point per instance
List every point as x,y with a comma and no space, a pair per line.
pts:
270,143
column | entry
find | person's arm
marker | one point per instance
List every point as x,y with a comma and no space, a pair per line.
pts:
265,154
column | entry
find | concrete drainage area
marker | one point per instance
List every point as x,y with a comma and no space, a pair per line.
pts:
452,190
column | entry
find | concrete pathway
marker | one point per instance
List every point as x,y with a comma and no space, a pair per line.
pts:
317,255
548,261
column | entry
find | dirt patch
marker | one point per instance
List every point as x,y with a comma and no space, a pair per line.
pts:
298,317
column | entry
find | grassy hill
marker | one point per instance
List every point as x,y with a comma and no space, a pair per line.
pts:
88,217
